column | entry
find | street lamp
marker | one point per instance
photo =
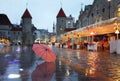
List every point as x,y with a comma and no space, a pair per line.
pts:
109,7
117,30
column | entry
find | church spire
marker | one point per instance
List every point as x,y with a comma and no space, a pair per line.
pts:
53,27
81,8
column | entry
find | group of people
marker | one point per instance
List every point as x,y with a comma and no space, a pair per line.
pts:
101,44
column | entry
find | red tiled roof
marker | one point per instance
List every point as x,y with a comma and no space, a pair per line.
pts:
16,29
26,14
69,29
61,13
4,20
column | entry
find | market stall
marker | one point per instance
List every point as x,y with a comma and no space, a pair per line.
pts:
107,27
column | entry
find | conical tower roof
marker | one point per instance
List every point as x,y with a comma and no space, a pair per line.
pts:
61,13
26,14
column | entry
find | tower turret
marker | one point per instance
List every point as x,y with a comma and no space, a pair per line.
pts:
61,22
27,28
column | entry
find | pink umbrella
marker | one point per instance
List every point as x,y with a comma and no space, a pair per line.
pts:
44,72
45,52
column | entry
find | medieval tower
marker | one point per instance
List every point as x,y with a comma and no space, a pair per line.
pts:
61,22
26,24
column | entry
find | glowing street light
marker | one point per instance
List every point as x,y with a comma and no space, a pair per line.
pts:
117,30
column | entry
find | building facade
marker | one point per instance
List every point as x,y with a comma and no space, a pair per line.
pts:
69,22
8,31
5,26
63,23
100,10
15,33
42,36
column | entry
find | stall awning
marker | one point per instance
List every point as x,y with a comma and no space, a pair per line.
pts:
103,27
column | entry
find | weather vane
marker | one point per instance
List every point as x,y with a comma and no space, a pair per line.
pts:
27,4
60,3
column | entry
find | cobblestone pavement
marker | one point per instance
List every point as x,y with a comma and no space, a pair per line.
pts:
89,65
20,63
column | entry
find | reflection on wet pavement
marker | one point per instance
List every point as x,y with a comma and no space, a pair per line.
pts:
44,71
18,63
92,66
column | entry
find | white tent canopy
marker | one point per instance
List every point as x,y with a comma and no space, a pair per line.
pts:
103,27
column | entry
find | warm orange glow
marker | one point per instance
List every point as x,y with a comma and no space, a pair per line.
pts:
104,27
118,12
117,31
92,33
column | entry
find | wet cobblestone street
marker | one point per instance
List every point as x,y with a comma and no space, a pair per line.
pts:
71,65
95,66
